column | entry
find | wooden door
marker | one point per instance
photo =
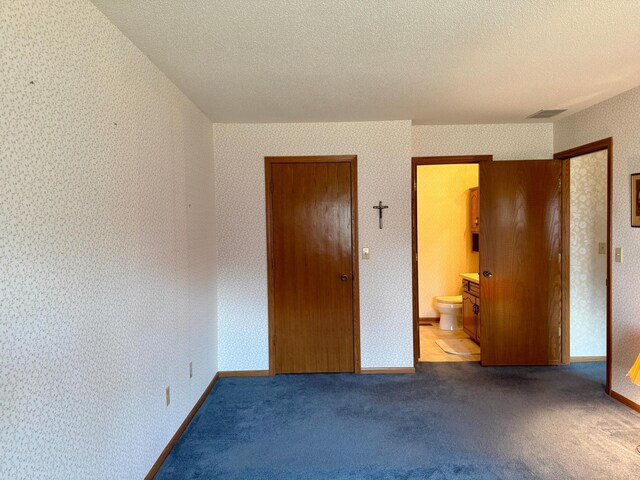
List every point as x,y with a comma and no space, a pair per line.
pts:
520,246
312,269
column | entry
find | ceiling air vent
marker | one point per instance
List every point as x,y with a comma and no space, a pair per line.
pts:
547,113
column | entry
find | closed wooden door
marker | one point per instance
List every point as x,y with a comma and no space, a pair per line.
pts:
312,270
520,246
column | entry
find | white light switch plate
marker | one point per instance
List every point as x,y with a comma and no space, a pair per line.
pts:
602,248
365,253
618,255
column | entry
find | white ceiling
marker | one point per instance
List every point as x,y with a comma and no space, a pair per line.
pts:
431,61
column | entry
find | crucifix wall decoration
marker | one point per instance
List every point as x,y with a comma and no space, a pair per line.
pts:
380,207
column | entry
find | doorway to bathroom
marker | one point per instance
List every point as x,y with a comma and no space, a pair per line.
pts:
523,316
446,217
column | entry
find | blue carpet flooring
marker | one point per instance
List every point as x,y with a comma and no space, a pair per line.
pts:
449,421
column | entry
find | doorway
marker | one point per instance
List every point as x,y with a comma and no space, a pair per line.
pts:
584,164
312,264
519,318
427,335
448,239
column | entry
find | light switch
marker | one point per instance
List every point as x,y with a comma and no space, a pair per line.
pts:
602,248
365,253
618,255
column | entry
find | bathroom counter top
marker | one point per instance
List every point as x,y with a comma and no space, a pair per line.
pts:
472,277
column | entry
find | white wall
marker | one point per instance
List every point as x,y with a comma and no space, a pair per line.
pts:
588,228
444,232
618,117
384,173
505,142
106,283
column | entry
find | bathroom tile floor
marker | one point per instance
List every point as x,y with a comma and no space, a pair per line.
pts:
431,352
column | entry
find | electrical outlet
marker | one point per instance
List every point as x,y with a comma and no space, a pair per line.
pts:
190,369
602,248
167,396
365,253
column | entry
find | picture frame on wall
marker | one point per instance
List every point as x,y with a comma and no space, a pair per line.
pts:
635,200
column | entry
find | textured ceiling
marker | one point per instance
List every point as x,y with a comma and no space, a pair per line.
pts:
431,61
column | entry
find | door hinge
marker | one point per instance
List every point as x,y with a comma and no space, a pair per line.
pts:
560,258
416,257
560,182
415,185
560,330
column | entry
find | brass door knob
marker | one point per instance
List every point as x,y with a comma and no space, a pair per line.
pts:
344,278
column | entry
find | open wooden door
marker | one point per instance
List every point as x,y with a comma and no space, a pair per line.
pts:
520,262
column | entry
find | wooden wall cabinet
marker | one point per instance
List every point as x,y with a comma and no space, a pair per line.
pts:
471,309
474,209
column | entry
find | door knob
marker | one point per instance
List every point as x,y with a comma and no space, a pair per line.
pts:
344,278
487,274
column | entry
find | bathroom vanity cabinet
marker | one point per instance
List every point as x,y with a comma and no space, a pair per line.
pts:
471,309
474,209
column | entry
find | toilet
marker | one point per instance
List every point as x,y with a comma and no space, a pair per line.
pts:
450,309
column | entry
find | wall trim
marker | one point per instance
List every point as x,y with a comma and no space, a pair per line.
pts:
244,373
452,159
588,359
425,320
565,268
385,371
183,426
622,399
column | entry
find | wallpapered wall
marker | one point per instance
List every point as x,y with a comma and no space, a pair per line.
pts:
526,141
106,248
618,117
588,290
384,152
444,232
384,173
